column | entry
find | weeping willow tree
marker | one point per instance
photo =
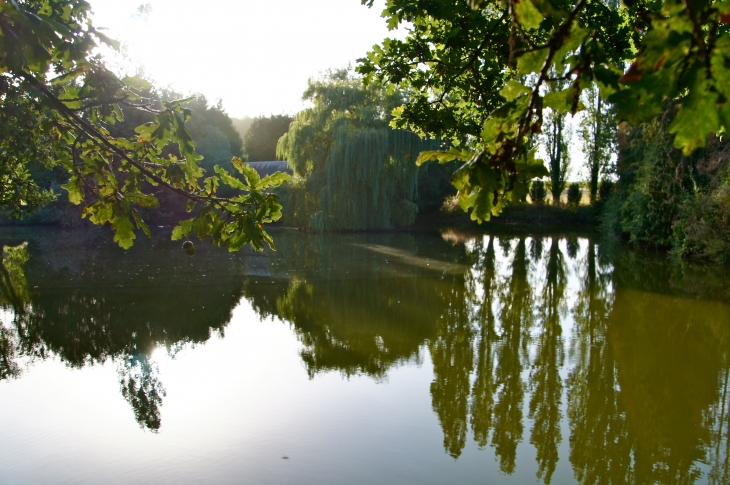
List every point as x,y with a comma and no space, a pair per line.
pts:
352,170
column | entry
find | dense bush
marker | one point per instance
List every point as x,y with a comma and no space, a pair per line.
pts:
605,190
703,228
574,195
538,192
664,199
434,185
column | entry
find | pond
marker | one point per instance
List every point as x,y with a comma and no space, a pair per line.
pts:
389,358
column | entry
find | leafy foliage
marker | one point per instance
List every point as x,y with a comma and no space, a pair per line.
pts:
557,143
216,138
354,171
481,68
24,146
114,177
668,200
598,138
650,189
538,192
605,190
263,135
574,194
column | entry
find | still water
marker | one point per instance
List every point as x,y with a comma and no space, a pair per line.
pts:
391,358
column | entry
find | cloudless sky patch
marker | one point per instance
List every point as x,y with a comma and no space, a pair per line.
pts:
255,55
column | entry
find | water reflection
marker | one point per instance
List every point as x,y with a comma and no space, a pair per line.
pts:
543,339
552,342
86,302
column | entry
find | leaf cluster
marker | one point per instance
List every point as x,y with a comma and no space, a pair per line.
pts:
481,69
114,176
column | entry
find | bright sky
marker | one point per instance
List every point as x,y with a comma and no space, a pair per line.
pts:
255,55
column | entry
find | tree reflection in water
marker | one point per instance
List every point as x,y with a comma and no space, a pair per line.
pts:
535,340
641,379
545,381
87,302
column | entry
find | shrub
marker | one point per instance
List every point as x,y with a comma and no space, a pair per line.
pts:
538,192
605,190
704,229
574,194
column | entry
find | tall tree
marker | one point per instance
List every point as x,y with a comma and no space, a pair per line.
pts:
25,145
355,171
598,137
556,139
598,426
263,135
516,318
485,384
453,362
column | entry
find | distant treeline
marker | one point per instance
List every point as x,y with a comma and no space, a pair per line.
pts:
217,136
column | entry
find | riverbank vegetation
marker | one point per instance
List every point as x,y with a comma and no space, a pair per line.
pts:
496,93
668,200
493,79
353,171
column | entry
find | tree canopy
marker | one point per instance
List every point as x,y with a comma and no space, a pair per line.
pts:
263,135
479,70
354,171
47,57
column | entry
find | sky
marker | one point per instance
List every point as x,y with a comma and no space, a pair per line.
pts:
254,55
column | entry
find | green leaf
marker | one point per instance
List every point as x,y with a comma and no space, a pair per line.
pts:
445,156
274,180
138,83
100,214
68,77
75,194
46,10
530,62
250,174
527,14
229,179
560,101
182,229
492,128
142,200
140,223
513,89
696,119
123,229
211,185
175,175
146,130
202,225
